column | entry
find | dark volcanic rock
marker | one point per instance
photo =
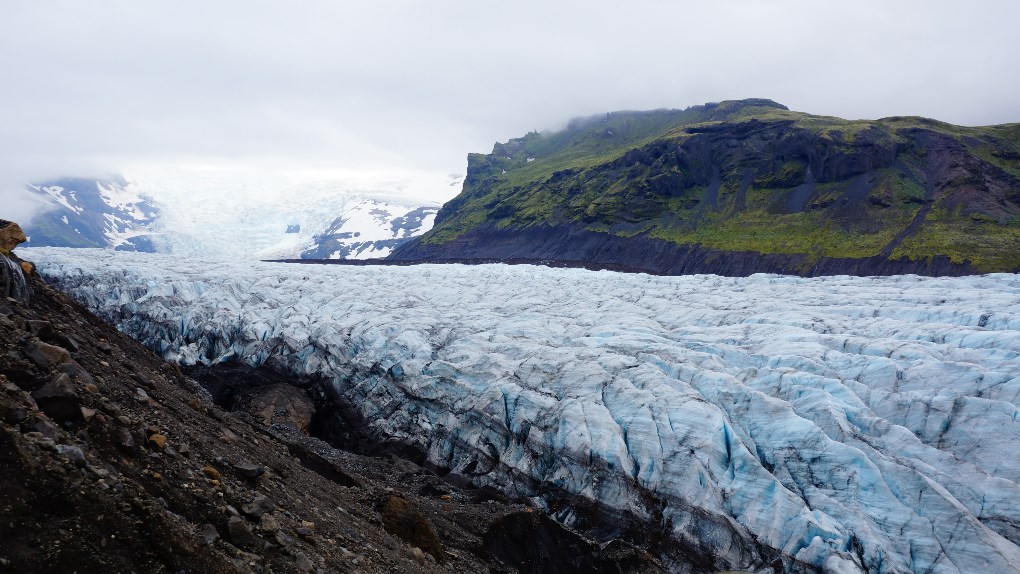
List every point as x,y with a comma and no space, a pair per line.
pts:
240,533
249,470
535,544
58,399
566,246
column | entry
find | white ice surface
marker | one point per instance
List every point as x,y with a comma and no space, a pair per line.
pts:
858,424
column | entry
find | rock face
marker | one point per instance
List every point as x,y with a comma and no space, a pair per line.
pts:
565,245
742,187
11,236
763,423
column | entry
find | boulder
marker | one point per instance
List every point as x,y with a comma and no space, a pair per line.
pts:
58,400
279,403
240,533
402,519
258,506
46,355
11,236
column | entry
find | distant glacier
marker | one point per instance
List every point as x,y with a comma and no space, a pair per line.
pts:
850,424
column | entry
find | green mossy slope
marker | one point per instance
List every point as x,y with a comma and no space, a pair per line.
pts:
753,176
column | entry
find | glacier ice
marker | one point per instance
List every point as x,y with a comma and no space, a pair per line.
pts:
854,424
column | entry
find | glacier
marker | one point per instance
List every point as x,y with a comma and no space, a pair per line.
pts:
848,424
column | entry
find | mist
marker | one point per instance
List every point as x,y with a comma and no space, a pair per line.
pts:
407,86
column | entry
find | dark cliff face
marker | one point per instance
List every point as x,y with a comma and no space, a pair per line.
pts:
741,187
564,245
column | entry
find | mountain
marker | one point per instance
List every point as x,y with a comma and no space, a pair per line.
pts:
768,424
234,220
370,229
740,187
92,213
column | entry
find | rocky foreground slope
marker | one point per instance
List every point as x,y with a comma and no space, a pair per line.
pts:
112,460
741,187
768,423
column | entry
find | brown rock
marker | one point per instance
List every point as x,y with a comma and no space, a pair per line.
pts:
46,355
279,403
158,441
268,523
27,268
227,436
403,519
11,235
211,473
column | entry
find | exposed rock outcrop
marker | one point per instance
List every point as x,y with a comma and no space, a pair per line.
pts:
12,269
11,236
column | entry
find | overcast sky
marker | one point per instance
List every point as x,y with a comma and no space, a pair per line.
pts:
335,86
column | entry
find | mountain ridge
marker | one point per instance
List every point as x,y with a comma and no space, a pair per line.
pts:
308,221
897,194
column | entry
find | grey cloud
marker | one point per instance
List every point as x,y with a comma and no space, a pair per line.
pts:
408,84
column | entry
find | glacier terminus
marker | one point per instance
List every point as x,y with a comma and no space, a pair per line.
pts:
848,424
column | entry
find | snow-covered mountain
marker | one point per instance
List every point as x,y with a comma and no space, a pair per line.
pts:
91,213
850,424
370,230
231,216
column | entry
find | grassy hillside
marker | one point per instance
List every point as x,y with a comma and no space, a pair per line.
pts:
751,175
